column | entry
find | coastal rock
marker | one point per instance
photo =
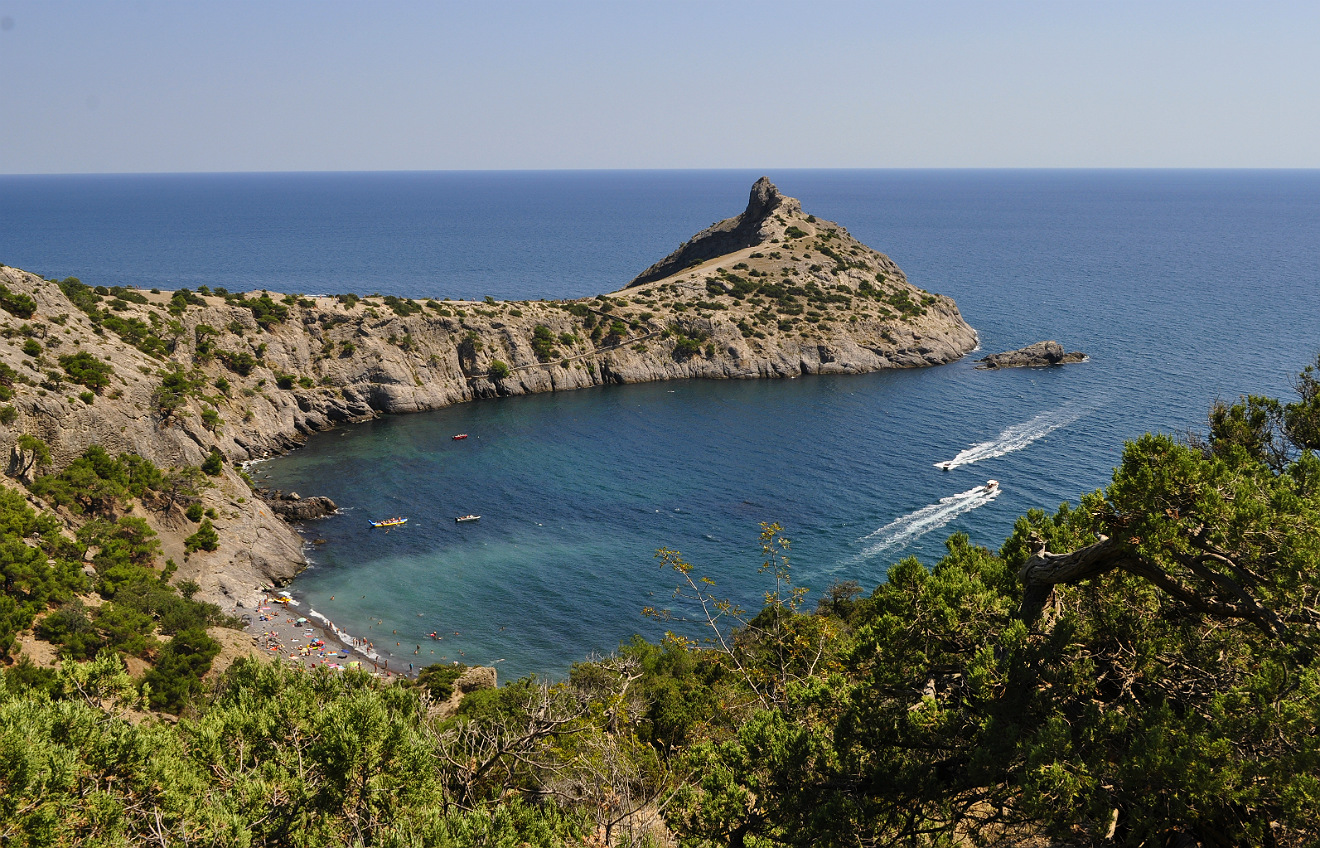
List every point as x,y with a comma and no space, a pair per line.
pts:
476,678
770,293
1038,355
291,507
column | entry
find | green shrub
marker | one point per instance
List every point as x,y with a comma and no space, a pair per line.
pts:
438,679
70,627
498,370
686,348
17,303
205,539
138,333
86,370
267,312
97,481
177,675
176,386
80,294
543,342
195,511
402,306
241,362
32,347
214,463
8,414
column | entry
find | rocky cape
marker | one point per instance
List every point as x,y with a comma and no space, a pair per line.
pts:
772,292
1038,355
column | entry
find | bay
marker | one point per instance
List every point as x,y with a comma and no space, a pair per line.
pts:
1182,286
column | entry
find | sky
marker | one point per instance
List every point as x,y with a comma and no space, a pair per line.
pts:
123,87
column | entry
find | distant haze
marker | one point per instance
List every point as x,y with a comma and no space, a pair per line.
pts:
91,87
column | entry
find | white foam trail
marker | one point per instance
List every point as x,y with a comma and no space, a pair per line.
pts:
353,643
917,524
1016,437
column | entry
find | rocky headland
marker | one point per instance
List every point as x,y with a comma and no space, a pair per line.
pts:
1038,355
773,292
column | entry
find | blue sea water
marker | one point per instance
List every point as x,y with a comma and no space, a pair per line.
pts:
1182,286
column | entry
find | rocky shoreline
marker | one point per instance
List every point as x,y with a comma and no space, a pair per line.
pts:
773,292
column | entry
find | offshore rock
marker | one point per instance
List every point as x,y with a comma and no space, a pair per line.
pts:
1038,355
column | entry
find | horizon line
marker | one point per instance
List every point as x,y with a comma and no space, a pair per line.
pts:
959,168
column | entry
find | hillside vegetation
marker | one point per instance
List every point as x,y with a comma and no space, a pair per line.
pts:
1139,669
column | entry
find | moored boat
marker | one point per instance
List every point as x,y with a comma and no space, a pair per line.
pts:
460,437
390,522
460,519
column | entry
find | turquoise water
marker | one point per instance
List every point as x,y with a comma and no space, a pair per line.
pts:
1182,286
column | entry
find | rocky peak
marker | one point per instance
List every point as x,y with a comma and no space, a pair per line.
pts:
755,226
764,200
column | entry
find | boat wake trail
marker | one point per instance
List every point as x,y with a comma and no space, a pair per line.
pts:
1015,438
914,525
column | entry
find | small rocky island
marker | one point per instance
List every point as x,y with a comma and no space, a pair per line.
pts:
212,376
1038,355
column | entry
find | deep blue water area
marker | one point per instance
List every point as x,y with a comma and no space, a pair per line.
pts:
1182,286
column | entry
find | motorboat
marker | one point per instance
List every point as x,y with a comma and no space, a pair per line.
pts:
947,465
462,518
460,437
390,522
992,485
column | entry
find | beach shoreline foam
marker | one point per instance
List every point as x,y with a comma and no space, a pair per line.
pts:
285,627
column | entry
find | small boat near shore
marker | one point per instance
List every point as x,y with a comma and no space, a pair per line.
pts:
462,518
992,485
390,522
460,437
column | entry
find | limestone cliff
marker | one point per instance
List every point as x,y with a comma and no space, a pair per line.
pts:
770,293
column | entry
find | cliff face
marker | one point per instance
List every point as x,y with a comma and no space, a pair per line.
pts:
770,293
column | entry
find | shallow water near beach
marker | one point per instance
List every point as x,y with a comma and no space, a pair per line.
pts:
1182,287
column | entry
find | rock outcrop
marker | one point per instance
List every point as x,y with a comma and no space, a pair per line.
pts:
1038,355
771,293
766,216
473,679
293,507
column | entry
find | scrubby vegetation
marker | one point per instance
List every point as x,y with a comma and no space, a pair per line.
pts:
16,303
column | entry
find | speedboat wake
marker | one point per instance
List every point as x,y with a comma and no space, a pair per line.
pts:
914,525
1015,438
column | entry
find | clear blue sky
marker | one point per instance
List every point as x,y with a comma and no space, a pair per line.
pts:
291,85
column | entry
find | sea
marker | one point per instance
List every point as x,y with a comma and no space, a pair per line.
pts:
1181,287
